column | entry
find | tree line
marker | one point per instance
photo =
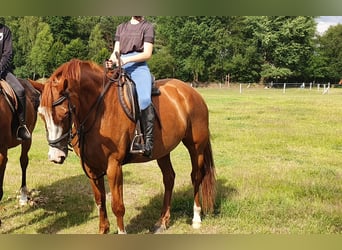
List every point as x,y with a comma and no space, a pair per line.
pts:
253,49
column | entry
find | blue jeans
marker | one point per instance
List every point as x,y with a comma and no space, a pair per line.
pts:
141,75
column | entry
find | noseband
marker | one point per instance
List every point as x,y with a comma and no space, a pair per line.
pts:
57,143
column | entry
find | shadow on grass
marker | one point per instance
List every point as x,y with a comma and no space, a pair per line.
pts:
65,203
69,202
181,207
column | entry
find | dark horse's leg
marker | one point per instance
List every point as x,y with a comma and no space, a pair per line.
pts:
100,200
3,162
25,147
168,180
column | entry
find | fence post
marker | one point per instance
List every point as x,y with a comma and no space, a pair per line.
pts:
284,89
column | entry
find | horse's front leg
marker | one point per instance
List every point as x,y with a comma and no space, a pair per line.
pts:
100,200
115,182
23,199
3,162
168,180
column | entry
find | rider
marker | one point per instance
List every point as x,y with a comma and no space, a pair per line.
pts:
134,42
5,73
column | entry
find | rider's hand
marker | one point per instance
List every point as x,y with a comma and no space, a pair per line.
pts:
109,64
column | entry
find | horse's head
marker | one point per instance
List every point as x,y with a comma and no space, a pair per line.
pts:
55,110
62,98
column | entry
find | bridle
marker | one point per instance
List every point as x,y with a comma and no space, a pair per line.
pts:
57,143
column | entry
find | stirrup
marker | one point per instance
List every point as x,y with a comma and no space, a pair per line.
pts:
137,140
25,135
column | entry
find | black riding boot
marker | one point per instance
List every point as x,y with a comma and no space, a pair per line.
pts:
22,132
147,119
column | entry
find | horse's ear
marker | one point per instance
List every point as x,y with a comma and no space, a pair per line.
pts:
37,85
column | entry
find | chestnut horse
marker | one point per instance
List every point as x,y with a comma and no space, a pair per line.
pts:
8,125
80,104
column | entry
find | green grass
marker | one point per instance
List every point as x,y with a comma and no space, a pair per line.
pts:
278,158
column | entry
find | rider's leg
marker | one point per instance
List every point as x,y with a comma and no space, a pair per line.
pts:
147,119
142,78
22,132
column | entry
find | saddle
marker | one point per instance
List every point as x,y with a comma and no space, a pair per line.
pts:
7,91
128,98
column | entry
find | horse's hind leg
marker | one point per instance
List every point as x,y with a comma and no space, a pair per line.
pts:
197,161
168,180
23,164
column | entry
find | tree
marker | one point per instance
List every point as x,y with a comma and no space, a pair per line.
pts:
97,46
195,45
39,55
56,57
271,72
203,48
24,37
75,49
330,50
162,64
283,42
63,28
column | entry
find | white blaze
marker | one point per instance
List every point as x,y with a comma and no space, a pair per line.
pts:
54,132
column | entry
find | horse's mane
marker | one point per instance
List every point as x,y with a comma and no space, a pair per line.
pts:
70,70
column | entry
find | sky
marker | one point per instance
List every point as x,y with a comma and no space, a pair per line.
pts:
324,22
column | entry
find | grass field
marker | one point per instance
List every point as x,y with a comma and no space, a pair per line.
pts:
278,160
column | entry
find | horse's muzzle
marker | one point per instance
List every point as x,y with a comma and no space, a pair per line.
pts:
56,155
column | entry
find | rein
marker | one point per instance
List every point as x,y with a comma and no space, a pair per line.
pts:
81,133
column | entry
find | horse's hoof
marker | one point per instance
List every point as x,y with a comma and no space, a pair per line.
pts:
196,224
104,230
23,201
122,232
23,198
159,229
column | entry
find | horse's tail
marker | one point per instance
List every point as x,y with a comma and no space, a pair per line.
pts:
209,180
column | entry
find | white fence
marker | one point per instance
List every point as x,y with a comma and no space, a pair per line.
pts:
324,87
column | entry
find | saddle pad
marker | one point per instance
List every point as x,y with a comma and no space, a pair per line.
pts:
10,92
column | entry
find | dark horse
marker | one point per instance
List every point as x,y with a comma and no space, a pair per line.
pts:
8,124
80,104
